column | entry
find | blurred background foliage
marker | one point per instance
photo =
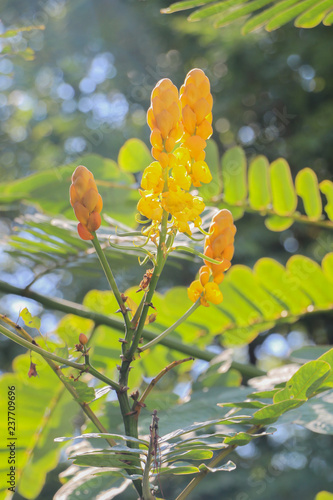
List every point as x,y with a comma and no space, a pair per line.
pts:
83,86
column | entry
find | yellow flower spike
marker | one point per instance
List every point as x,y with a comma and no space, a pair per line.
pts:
86,202
219,245
173,119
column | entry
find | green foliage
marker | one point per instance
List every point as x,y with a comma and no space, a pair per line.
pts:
195,442
8,48
43,406
262,188
90,481
29,320
134,156
258,13
269,190
49,189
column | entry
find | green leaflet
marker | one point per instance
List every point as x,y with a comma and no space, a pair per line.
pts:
212,10
92,481
186,4
307,188
259,190
283,194
277,223
29,320
268,189
241,11
271,413
208,191
326,187
234,176
261,19
308,275
288,14
84,392
324,495
305,382
308,13
314,16
328,19
134,156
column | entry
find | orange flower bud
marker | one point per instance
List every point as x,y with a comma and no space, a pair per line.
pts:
86,202
83,339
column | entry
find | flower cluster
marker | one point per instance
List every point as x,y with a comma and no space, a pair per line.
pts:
219,245
180,126
86,202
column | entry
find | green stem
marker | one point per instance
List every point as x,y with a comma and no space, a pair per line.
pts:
172,327
39,350
130,417
160,261
195,252
158,377
48,355
147,495
112,282
90,369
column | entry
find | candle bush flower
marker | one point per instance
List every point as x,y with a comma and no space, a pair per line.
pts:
180,125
